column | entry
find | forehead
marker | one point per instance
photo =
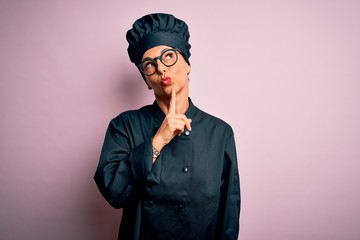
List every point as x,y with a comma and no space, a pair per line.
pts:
155,51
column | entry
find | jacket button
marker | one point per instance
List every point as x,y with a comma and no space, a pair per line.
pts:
185,169
180,207
187,132
150,204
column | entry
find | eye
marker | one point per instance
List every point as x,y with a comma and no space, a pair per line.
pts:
168,55
148,65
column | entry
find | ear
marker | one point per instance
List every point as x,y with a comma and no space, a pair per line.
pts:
189,69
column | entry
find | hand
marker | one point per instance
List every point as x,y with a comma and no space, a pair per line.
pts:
173,124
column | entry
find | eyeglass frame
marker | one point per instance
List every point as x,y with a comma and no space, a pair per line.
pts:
154,60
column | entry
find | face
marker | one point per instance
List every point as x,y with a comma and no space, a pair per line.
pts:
167,78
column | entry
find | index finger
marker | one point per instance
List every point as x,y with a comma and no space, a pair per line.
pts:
172,107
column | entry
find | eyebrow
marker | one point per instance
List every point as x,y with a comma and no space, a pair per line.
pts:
161,52
164,50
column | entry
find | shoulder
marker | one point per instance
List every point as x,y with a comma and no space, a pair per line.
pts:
214,122
132,115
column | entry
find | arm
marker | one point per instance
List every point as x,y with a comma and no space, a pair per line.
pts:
230,193
123,168
173,124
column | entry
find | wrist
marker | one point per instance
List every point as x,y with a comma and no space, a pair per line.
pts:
157,143
156,148
156,153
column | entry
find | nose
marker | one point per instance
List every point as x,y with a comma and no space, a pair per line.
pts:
160,67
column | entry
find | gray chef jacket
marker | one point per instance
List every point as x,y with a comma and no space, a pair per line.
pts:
192,190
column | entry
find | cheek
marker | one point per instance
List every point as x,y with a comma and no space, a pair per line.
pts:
151,82
183,69
148,81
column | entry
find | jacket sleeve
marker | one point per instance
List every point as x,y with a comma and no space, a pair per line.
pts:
230,193
123,167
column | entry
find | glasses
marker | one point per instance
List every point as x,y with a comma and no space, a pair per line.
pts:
149,65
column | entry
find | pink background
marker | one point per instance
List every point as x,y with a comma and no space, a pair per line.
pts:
284,74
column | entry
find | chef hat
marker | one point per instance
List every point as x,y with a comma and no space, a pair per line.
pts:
157,29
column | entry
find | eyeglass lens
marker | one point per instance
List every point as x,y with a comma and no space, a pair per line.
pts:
168,58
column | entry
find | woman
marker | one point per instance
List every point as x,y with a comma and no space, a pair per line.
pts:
169,165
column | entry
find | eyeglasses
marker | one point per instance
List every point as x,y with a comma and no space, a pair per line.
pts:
149,65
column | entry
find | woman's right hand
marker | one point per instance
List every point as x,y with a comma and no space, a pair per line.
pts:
173,124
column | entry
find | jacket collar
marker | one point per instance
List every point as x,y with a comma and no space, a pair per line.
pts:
159,114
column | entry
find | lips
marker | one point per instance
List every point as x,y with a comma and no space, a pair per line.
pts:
166,81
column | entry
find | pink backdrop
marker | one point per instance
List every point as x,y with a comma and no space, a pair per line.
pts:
284,74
